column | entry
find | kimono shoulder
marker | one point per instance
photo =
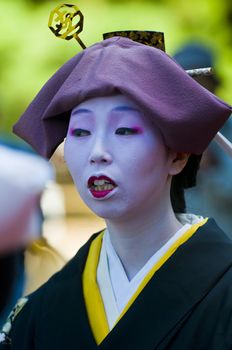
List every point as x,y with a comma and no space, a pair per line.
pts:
19,330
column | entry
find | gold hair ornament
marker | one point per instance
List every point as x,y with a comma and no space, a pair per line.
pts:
66,22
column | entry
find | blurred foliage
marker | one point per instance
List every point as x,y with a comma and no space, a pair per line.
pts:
30,54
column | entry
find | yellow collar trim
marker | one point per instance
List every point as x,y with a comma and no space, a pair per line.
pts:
92,295
93,300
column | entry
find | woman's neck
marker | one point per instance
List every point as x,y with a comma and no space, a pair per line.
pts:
135,240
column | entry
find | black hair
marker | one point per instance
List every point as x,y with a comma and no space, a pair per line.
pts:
187,178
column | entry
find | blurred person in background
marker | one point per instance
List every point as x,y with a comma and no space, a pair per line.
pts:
213,195
26,260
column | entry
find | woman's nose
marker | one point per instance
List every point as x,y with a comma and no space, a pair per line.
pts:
99,154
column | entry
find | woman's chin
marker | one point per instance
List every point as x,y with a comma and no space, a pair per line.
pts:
112,208
106,214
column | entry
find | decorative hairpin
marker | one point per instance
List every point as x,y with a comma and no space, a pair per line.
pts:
66,22
199,72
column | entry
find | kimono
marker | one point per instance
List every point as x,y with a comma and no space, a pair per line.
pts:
187,304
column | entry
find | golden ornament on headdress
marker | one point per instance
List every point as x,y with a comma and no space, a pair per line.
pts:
149,38
66,22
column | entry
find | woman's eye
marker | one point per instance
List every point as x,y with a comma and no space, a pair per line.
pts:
126,131
80,132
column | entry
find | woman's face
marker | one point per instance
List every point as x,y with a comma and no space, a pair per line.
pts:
117,157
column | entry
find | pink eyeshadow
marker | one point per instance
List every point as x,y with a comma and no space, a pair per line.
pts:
71,131
138,129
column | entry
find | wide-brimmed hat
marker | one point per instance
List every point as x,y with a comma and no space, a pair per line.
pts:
187,114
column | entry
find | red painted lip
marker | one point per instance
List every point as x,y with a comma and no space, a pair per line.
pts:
100,194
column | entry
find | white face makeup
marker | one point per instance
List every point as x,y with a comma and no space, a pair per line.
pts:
117,157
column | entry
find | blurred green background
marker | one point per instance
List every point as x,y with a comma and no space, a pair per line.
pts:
30,53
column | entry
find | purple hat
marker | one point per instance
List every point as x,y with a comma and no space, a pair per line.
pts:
188,115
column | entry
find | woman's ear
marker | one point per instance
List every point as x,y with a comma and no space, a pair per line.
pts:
178,163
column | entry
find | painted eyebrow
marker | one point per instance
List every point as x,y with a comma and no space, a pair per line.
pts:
125,108
82,110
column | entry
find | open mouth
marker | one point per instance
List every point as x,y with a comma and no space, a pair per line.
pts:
100,186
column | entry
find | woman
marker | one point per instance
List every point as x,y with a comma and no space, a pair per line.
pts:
135,125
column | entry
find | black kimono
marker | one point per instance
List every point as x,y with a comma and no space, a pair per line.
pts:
187,304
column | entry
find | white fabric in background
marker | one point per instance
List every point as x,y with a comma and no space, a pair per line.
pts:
23,177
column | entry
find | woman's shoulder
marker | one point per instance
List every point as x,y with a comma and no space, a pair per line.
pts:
33,307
